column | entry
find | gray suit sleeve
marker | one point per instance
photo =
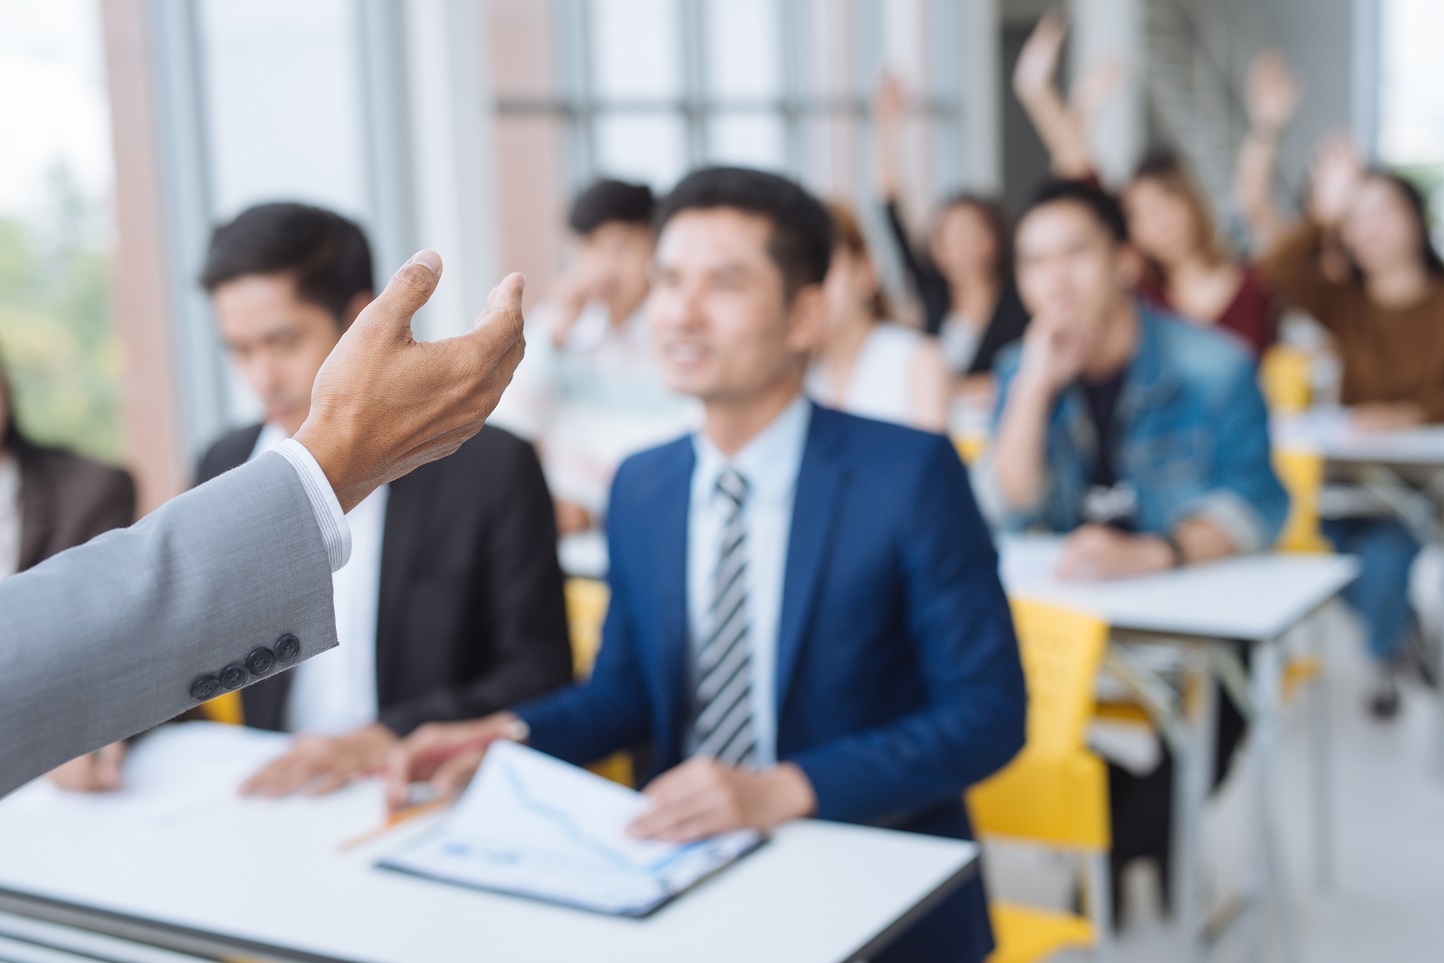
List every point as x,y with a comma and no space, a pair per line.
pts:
222,586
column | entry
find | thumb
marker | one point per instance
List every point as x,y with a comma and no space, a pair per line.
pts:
409,288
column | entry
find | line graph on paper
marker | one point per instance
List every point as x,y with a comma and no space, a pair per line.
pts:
536,826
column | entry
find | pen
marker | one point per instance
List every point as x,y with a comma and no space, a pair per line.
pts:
392,821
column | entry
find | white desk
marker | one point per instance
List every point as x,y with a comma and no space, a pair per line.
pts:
1389,461
1256,599
267,880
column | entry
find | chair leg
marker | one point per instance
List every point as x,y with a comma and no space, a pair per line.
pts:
1097,903
1321,742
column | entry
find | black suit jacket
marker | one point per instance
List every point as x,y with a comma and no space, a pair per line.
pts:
471,616
66,500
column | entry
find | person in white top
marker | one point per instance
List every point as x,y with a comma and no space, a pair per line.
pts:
588,393
867,365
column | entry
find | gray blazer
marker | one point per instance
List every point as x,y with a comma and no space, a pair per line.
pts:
224,585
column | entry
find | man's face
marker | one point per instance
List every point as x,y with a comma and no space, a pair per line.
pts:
721,325
277,341
1070,268
612,262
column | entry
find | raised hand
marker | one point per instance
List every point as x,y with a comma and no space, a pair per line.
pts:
1337,175
384,403
1273,93
1038,62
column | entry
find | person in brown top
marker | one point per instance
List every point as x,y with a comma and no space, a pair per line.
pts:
1362,263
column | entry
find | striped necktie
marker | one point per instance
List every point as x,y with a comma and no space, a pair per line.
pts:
724,661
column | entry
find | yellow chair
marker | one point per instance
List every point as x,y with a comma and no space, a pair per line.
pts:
1284,379
1302,475
1055,793
587,601
970,447
224,708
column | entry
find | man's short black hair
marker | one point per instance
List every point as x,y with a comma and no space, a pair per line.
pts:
801,243
611,202
1101,204
327,254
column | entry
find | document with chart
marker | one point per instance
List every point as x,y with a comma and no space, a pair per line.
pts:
534,826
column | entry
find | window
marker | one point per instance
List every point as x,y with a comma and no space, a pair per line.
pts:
1411,99
56,233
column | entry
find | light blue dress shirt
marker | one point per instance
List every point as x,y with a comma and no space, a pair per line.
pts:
770,464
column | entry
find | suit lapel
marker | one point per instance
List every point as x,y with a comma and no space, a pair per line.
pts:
666,569
403,537
821,483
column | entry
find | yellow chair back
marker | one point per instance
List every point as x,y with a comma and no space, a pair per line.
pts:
1056,791
1302,475
1284,378
224,708
587,601
970,447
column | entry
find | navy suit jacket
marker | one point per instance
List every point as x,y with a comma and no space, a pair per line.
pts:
898,677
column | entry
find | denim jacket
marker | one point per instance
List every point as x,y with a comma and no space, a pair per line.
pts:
1192,433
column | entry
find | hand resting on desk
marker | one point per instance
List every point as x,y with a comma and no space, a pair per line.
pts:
698,799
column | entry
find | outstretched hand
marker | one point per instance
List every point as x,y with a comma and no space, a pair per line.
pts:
385,403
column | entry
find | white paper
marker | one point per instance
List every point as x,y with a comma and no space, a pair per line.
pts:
534,826
168,774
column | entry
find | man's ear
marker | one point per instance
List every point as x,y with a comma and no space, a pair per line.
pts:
355,306
807,320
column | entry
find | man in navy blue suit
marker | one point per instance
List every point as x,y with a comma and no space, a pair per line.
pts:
806,617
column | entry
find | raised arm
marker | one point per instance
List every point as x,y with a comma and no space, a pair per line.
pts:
1062,126
1273,97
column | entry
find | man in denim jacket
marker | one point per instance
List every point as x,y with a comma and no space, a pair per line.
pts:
1140,435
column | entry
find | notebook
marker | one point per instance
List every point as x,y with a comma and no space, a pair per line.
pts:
533,826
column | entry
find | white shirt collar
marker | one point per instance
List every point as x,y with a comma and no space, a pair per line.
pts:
769,462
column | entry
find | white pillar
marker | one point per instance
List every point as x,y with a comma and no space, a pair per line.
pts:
1104,30
452,156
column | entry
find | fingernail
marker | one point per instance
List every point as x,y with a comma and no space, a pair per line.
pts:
427,259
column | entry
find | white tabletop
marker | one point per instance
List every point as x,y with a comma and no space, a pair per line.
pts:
583,555
270,874
1328,433
1252,597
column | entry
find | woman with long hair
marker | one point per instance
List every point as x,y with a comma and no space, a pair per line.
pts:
964,274
1362,263
867,364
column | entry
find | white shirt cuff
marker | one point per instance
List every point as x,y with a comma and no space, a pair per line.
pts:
329,517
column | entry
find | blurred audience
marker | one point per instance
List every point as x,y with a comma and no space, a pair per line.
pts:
451,604
1141,436
52,499
588,393
867,364
787,643
964,277
1188,268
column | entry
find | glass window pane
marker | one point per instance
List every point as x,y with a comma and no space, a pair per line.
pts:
635,49
62,359
753,139
283,85
651,148
743,49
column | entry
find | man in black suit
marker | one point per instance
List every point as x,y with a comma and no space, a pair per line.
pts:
451,605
